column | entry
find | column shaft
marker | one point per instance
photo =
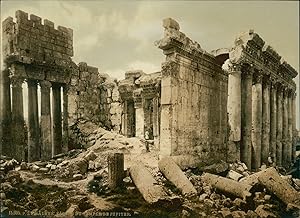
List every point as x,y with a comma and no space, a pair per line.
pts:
295,133
18,123
256,122
65,119
57,116
290,128
5,114
33,123
46,139
246,116
279,127
139,119
285,129
273,121
265,145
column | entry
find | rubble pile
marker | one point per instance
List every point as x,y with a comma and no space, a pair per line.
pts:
77,182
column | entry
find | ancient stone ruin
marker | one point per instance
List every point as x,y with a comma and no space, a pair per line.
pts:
183,110
210,135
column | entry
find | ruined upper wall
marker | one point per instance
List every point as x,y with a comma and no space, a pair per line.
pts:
250,48
29,41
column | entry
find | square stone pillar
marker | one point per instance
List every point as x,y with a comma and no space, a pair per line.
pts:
265,144
279,126
273,119
57,119
139,118
33,123
45,123
285,127
246,115
256,121
156,119
65,119
5,114
18,124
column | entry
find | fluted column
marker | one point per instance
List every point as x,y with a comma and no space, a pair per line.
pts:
295,133
33,123
46,127
246,115
285,128
57,124
5,114
290,128
265,144
279,127
18,124
256,120
273,120
139,118
65,119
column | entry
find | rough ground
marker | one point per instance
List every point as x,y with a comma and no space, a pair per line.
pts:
75,183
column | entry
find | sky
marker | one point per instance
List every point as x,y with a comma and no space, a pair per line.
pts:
117,36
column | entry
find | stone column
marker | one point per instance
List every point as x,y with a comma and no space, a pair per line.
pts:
156,116
46,127
246,115
265,144
285,128
65,119
139,118
273,120
57,125
279,127
33,122
234,112
295,133
256,120
18,124
5,114
290,128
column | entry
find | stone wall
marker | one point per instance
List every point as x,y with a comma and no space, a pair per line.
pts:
193,99
94,97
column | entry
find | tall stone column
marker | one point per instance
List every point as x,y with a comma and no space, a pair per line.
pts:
33,122
46,127
256,120
139,118
273,120
279,126
290,128
18,124
156,121
234,112
5,114
246,115
65,119
57,124
285,128
265,144
295,133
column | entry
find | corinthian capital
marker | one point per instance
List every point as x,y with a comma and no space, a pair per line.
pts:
16,81
45,85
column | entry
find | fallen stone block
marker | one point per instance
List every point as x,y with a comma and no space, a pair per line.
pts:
271,179
234,175
77,177
173,173
90,156
261,212
227,185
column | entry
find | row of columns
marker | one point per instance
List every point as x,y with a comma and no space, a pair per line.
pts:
266,117
45,139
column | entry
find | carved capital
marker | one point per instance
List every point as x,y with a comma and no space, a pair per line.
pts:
235,68
247,70
266,80
16,82
45,85
257,77
274,82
